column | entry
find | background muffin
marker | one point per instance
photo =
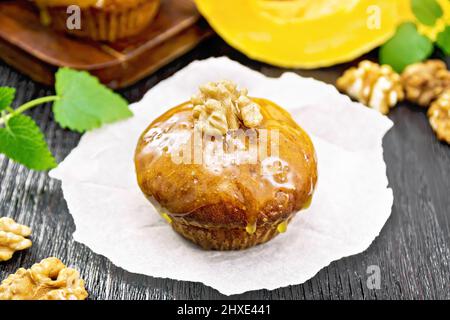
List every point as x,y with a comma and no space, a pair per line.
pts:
216,203
104,20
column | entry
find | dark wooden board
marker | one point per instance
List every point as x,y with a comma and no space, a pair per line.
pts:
38,51
412,251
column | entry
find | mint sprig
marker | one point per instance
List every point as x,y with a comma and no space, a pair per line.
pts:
81,103
408,46
23,141
86,104
7,95
427,11
443,40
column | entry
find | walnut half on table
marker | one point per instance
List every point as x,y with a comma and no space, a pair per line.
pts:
425,81
48,280
439,116
12,238
378,87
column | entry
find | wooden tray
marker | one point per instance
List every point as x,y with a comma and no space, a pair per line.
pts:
39,51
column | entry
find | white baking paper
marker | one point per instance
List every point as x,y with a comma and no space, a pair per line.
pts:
350,206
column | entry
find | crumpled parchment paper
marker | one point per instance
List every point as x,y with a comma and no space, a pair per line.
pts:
351,204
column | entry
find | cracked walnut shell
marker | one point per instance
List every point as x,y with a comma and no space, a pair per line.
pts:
424,82
12,238
378,87
220,107
48,280
439,116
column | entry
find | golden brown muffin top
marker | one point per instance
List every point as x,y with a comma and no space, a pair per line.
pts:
224,193
100,4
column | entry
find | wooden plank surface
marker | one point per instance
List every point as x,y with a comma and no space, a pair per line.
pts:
412,251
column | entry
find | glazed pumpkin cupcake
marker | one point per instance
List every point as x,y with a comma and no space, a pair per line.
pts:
103,20
226,170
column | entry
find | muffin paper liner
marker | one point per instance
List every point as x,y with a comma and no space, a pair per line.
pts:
213,238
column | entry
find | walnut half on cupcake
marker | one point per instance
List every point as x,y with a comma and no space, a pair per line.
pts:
102,20
226,170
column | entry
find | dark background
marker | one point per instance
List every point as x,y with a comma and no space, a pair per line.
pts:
412,250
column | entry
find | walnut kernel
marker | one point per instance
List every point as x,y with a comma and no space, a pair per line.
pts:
439,116
220,106
376,86
48,280
12,238
424,82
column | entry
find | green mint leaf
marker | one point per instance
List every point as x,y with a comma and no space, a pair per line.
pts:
443,40
22,140
427,11
85,103
7,95
407,46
